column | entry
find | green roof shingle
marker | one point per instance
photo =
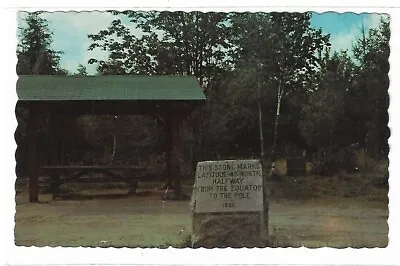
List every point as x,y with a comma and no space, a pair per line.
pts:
65,88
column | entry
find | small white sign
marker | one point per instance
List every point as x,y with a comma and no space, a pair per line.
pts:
228,186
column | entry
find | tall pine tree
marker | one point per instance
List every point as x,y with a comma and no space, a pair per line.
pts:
34,52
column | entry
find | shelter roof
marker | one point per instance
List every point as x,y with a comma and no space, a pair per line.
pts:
109,88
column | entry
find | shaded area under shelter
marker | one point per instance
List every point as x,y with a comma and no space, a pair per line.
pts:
168,98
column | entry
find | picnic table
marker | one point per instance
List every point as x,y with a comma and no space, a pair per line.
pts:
76,173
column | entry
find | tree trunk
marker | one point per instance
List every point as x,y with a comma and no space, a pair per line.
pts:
260,122
265,216
278,109
207,113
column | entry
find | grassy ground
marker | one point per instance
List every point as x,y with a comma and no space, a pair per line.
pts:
312,212
126,221
329,222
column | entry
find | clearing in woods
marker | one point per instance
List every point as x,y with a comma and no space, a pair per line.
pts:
146,221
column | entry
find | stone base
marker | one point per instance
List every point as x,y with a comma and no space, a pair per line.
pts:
227,230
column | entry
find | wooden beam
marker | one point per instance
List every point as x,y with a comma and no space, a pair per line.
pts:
103,180
32,155
151,108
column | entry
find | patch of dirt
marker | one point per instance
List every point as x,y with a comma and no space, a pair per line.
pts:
146,220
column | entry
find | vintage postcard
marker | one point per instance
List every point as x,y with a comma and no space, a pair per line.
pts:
195,129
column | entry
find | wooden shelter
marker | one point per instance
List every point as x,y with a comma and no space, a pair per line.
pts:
170,98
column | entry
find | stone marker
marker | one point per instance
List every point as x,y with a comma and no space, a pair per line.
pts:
227,204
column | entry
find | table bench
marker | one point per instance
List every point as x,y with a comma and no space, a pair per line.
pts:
74,173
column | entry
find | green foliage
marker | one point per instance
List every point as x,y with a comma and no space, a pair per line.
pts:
319,128
173,43
34,52
81,70
349,105
322,101
275,52
372,54
280,46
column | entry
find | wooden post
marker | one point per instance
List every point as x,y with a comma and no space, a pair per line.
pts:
176,152
170,145
32,155
55,158
172,154
132,187
55,185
